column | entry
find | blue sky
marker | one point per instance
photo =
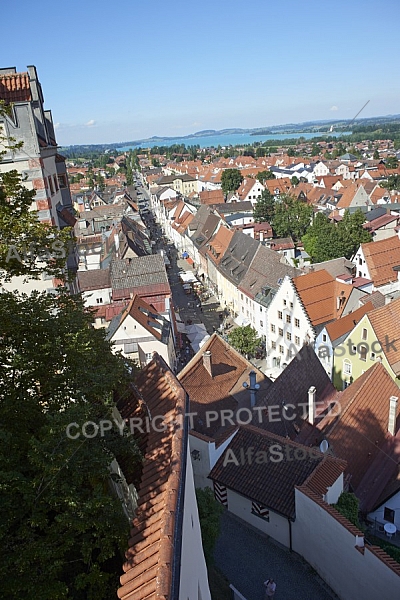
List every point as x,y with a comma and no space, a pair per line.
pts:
116,72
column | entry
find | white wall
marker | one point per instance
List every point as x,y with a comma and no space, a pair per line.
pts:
394,504
91,297
194,580
209,455
330,548
277,526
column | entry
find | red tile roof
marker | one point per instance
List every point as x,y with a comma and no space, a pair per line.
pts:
380,258
385,322
222,390
15,87
151,556
345,324
318,292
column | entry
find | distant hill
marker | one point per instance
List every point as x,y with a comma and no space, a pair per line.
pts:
288,128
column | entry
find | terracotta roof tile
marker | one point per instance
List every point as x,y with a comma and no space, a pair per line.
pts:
386,320
381,257
15,87
221,391
361,428
345,324
318,292
150,558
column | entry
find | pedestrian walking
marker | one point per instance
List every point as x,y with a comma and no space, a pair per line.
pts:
270,587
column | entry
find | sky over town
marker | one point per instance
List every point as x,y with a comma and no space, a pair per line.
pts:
130,70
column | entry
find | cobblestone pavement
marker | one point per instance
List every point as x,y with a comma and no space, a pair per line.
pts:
247,558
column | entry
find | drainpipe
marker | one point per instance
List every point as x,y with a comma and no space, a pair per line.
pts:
290,535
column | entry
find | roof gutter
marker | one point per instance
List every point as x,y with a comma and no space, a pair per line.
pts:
178,529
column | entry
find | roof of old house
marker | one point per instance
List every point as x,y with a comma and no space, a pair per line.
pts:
281,244
141,312
348,194
283,185
96,279
266,269
233,207
155,537
222,390
344,325
272,482
335,267
318,292
141,275
377,299
218,244
211,197
15,87
238,257
360,430
385,322
381,257
291,388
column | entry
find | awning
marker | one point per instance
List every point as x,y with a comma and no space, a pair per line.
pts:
190,260
242,321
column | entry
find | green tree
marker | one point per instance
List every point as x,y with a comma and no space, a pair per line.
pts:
209,514
321,240
352,233
348,506
376,155
393,183
264,176
264,209
231,180
59,524
315,150
294,180
392,162
292,217
244,339
291,152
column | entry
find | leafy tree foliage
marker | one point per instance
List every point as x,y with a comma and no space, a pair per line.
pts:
392,162
325,240
376,155
295,180
292,217
264,209
244,339
209,515
393,183
59,524
264,176
348,506
231,180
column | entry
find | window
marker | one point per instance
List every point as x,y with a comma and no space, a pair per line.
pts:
261,324
297,322
260,511
99,300
247,300
280,331
273,345
51,185
372,356
288,335
364,334
284,303
55,182
241,296
272,328
291,305
360,261
363,352
324,337
347,367
297,340
288,319
62,181
281,350
388,514
279,314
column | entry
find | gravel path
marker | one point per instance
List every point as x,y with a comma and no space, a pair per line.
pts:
248,557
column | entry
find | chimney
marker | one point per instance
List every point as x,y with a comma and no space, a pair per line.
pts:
253,387
311,404
392,415
207,362
261,236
